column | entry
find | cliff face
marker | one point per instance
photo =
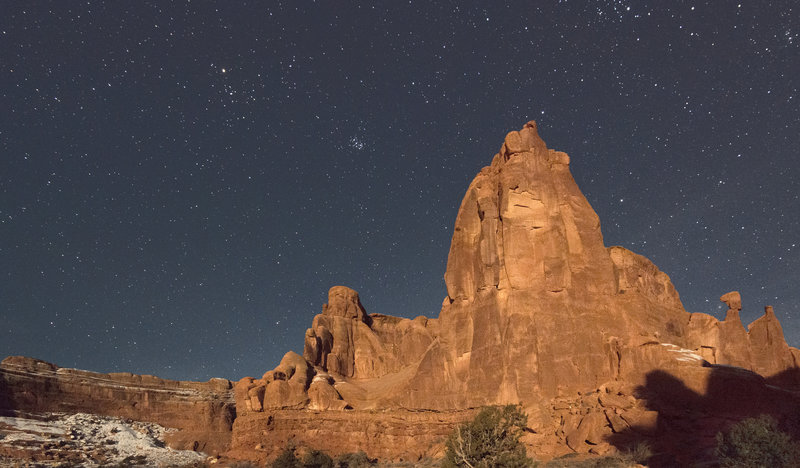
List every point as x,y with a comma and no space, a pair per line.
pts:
536,303
202,411
538,311
536,307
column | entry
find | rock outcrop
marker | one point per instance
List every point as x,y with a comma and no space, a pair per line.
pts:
343,347
346,342
539,312
760,347
202,411
393,434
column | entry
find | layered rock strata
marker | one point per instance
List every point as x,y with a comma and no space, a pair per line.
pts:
394,434
202,411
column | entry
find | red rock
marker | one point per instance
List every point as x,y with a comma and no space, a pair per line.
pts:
589,339
347,342
589,430
323,395
202,411
760,348
769,352
643,421
537,310
616,422
615,401
733,300
399,434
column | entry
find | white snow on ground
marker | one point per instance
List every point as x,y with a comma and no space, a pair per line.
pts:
90,440
26,430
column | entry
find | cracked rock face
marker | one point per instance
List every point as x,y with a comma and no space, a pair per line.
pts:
536,304
525,225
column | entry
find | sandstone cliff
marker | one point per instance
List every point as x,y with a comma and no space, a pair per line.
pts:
202,411
539,312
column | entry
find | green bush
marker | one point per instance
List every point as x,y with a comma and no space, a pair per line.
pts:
287,459
489,440
317,459
756,442
354,460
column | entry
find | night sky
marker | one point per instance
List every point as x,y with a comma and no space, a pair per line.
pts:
181,182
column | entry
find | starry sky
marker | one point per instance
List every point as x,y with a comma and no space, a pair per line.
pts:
182,181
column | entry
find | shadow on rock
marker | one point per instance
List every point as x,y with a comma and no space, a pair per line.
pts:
5,402
684,433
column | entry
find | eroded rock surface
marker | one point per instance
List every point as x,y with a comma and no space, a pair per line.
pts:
539,312
202,411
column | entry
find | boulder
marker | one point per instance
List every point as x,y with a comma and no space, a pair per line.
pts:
323,396
733,300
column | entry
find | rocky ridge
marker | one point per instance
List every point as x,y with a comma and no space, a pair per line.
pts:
203,412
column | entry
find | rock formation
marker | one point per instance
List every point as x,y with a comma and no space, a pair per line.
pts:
592,341
202,411
760,347
539,312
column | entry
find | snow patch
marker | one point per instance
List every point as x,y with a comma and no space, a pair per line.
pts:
90,440
683,354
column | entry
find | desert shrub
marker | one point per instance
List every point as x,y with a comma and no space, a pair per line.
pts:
354,460
756,442
489,440
317,459
640,452
287,459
